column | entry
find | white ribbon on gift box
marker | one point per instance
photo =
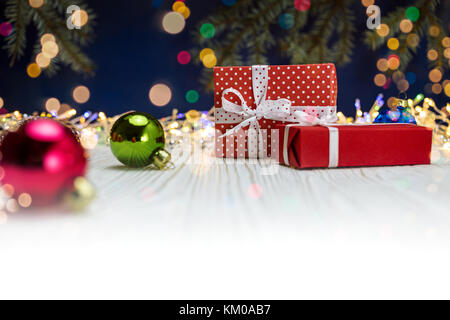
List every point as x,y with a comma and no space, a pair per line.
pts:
280,110
333,144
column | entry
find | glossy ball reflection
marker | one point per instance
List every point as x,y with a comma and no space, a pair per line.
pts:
135,138
41,159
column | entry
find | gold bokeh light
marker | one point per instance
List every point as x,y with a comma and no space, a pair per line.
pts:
397,76
447,89
24,200
210,61
393,63
36,3
406,25
382,64
434,31
33,70
435,75
412,40
173,22
393,43
80,18
367,3
160,95
42,61
47,37
446,42
380,80
81,94
436,88
432,55
50,49
402,85
52,105
383,30
447,53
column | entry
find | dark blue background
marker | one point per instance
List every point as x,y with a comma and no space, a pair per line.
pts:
133,53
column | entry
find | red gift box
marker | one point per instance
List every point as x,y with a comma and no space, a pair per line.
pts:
261,97
354,145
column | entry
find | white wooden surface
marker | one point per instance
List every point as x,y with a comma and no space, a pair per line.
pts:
195,232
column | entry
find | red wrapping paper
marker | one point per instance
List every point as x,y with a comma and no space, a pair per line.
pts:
359,145
313,86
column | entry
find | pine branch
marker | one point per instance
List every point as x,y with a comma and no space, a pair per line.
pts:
373,40
247,25
291,44
258,49
49,18
17,13
427,9
83,35
436,42
228,50
70,54
238,34
345,44
405,52
323,27
53,67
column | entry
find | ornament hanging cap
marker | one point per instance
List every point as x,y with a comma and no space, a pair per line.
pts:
401,101
161,158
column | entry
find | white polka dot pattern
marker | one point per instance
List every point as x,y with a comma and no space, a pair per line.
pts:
260,81
310,88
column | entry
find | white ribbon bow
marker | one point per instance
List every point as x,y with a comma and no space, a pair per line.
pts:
305,119
269,109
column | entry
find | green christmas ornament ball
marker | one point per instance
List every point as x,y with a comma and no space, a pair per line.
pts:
137,140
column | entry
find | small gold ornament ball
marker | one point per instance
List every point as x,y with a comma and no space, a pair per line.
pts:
193,116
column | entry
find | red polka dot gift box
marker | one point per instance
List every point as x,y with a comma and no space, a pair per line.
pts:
251,101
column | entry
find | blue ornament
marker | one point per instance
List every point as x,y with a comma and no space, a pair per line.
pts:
399,115
394,115
406,116
286,21
229,2
383,116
